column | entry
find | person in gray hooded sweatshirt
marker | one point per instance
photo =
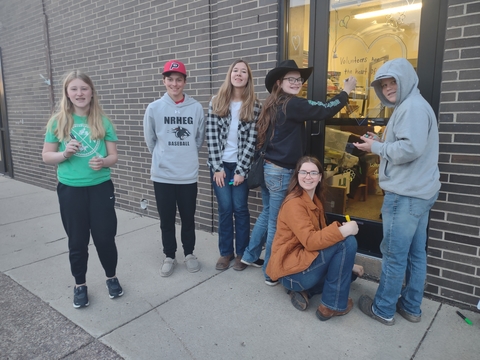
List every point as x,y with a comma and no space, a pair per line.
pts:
409,176
174,129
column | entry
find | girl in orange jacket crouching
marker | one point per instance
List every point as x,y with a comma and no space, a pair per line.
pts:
308,256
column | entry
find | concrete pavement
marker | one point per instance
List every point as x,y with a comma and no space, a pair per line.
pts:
205,315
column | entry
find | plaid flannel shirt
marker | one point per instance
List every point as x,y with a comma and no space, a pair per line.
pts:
217,133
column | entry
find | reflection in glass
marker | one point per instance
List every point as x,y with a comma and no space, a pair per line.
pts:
363,35
298,35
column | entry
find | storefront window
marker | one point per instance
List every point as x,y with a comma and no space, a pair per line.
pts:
298,35
363,35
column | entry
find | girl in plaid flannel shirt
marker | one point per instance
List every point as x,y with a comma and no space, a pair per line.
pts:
231,136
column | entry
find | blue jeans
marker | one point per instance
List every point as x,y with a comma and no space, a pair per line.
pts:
330,273
273,194
405,221
232,203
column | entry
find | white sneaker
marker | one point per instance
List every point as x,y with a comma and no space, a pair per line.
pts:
168,266
192,263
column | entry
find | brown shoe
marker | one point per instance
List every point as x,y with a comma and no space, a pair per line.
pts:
324,313
239,266
223,262
299,299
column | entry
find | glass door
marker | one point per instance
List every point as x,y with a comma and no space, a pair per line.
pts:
363,35
355,37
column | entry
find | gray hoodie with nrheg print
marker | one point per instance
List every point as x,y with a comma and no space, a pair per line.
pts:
174,134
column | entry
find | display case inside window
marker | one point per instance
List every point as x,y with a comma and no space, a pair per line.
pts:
351,174
364,34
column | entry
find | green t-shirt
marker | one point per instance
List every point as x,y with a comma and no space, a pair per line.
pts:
75,171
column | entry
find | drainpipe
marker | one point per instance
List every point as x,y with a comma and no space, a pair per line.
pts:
47,58
212,197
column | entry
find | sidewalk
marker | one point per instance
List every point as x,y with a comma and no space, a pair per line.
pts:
205,315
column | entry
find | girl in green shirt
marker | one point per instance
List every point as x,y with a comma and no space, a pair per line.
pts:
80,140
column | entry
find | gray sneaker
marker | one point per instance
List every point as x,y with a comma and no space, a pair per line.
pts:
168,266
192,263
365,304
408,316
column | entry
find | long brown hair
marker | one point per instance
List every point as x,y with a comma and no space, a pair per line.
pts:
64,114
268,115
221,102
295,190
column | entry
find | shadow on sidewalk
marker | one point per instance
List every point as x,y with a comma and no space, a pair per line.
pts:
31,329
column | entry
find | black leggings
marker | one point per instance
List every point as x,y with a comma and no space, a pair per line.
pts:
85,210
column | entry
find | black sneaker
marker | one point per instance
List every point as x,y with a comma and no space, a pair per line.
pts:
80,297
114,288
257,263
271,282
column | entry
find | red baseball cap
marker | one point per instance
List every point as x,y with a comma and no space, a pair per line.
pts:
174,66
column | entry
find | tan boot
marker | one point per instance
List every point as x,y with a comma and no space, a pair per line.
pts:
239,266
324,313
223,262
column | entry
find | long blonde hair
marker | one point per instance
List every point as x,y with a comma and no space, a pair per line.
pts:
221,102
63,117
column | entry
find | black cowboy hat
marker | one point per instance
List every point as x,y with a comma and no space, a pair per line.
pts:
284,67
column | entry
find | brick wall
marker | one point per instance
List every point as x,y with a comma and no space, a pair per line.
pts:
22,40
122,45
454,244
248,30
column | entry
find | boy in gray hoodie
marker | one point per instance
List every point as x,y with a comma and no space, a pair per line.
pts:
174,130
410,177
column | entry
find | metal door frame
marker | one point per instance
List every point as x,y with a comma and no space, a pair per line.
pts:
434,15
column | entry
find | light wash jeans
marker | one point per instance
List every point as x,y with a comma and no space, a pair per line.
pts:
405,221
273,194
232,204
329,274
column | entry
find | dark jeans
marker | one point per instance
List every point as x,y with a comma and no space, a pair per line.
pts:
232,203
330,274
84,211
168,197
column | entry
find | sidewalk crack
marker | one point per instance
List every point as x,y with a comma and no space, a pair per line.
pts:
426,333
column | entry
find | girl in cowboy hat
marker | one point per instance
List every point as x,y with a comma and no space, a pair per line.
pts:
283,117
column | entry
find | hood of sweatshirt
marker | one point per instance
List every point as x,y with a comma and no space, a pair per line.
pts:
404,74
187,100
